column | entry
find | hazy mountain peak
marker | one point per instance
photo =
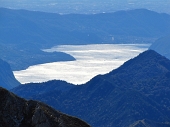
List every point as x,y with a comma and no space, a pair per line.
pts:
162,46
7,79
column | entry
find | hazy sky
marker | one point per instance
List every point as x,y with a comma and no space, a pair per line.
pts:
86,6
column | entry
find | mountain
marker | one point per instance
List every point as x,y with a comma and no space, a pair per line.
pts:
162,46
7,79
148,123
139,89
17,112
40,28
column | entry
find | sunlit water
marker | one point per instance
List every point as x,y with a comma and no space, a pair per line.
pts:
91,60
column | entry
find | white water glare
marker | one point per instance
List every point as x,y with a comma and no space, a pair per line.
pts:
91,60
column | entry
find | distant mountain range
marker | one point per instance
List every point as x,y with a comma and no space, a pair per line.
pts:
86,6
137,94
132,26
17,112
7,79
162,46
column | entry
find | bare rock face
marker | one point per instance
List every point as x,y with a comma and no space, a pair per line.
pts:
148,123
17,112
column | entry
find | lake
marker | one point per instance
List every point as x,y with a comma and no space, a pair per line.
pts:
91,60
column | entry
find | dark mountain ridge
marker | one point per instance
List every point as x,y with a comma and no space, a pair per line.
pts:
41,88
149,63
137,90
17,112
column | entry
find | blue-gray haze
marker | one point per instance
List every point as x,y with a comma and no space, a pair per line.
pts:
86,6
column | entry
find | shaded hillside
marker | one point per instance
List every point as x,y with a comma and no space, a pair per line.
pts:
162,46
17,112
137,90
7,79
134,26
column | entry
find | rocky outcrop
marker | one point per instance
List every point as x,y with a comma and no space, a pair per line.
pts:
17,112
148,123
7,79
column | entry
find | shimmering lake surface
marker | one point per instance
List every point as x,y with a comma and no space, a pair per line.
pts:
91,60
